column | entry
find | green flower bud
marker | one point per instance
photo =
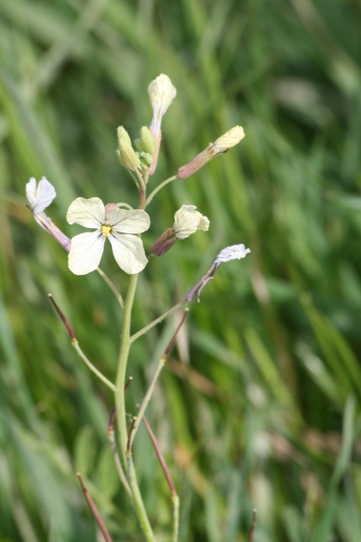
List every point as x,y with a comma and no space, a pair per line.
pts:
138,145
126,154
146,159
147,140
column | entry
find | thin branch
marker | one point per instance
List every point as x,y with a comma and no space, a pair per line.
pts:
156,321
159,187
75,345
253,526
129,441
167,474
94,510
150,390
111,286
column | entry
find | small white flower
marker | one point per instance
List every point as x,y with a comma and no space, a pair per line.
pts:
234,252
40,196
187,221
120,226
161,93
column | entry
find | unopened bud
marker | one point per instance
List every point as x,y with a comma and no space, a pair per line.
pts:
126,154
164,242
147,139
220,146
161,93
146,159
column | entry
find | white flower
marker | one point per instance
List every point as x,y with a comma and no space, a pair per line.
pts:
234,252
120,226
187,221
161,93
41,196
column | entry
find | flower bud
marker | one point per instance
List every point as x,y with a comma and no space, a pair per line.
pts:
146,159
227,140
126,154
220,146
147,139
164,242
161,93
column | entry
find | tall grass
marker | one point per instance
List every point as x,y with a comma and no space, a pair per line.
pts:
259,406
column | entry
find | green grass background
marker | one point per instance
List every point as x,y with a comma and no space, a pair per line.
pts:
260,404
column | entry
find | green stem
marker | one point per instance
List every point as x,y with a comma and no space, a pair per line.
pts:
159,187
175,501
111,286
122,367
81,354
138,502
156,321
146,399
121,415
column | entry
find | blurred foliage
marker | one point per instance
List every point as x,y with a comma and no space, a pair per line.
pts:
260,404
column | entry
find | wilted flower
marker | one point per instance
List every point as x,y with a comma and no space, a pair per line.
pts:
186,222
161,93
120,226
234,252
40,197
220,146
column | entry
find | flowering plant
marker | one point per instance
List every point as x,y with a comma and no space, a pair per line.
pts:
123,226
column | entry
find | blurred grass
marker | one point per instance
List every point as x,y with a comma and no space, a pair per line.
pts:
266,414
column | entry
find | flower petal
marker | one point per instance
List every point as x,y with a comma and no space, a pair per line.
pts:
125,221
41,196
89,213
128,252
85,252
234,252
187,221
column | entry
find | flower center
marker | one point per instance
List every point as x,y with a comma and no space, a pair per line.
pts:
106,229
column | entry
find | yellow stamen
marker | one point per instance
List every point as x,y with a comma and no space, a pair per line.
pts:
106,229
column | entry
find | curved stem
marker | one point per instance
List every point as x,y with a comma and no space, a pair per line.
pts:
159,187
111,286
92,367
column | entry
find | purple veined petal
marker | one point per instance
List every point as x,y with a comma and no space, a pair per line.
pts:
85,252
40,196
128,252
128,221
234,252
89,213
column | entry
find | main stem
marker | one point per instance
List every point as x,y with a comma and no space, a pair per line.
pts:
122,367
